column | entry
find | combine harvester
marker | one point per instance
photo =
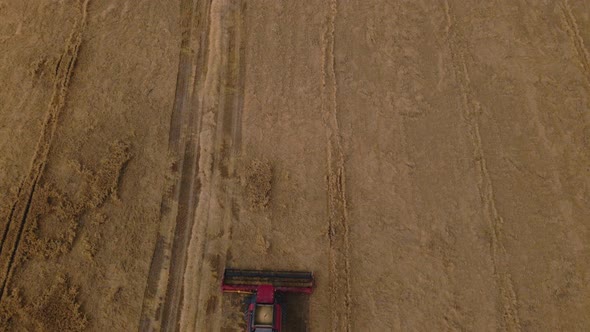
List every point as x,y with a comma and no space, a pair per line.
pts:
264,311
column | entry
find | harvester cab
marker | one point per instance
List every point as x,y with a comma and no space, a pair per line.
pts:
264,313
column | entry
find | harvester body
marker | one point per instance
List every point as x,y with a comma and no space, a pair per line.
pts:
264,313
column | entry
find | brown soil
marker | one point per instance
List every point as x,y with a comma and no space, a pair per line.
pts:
427,160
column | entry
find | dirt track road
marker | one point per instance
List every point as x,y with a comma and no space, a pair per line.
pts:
427,160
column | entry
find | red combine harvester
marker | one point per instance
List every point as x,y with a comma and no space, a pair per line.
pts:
264,312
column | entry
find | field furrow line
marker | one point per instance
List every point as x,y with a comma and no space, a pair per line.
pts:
571,26
338,223
472,110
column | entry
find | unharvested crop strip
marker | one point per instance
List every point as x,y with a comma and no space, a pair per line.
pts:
64,71
338,222
471,109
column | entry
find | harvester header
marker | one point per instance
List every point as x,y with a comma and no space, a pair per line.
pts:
283,281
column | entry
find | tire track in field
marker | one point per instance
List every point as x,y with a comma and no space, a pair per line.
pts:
16,224
7,224
183,285
163,293
190,184
182,93
573,31
472,109
212,234
338,231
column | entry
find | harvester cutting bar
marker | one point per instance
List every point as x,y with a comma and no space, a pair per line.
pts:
248,280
